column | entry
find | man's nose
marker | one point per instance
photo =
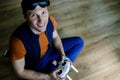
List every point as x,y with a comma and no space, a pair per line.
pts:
39,18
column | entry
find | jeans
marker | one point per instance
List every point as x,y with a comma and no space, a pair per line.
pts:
72,47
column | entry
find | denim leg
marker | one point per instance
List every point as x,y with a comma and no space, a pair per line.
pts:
45,64
72,47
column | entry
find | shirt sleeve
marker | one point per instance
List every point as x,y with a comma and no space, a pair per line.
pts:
16,49
54,22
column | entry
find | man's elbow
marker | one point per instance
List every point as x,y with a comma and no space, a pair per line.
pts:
20,74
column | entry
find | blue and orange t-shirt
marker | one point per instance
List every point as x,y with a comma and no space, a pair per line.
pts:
17,49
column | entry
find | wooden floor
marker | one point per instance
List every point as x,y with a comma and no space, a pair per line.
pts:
96,21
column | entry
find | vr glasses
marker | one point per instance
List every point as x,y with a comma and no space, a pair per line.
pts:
31,4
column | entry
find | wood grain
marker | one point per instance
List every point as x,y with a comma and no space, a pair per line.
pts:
96,21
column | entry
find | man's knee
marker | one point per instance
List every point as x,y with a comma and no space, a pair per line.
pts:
79,41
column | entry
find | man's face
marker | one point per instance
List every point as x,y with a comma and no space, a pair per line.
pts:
37,19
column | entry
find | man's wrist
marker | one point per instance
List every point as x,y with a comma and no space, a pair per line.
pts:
62,57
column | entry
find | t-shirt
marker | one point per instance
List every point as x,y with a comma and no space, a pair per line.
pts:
17,49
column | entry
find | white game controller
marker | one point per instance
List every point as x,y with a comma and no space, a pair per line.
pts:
65,68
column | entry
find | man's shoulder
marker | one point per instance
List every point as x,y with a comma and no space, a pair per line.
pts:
23,26
52,18
53,22
20,29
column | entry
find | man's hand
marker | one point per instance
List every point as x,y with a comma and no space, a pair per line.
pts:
54,76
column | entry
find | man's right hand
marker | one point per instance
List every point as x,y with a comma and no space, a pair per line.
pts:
54,76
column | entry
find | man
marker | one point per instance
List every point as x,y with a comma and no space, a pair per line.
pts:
36,44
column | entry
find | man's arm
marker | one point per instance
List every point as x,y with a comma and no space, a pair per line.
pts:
58,44
22,73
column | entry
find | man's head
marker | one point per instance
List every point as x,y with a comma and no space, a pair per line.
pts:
36,14
31,4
